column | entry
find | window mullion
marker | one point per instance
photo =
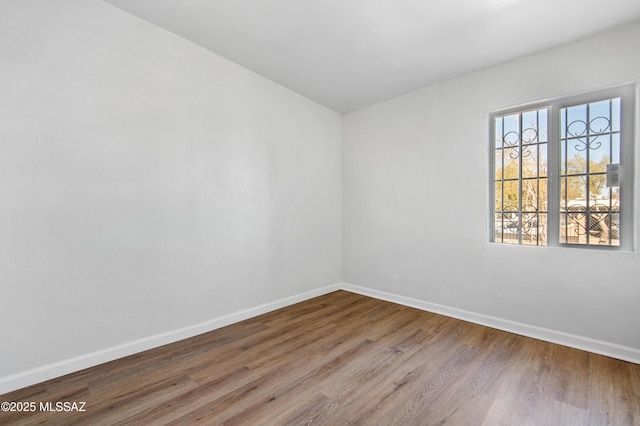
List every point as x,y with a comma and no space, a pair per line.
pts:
587,178
553,182
520,154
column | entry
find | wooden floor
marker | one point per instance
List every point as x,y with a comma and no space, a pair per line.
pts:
347,359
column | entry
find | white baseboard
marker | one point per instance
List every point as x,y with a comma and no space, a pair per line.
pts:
50,371
600,347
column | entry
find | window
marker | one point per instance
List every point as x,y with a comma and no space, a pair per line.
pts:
562,171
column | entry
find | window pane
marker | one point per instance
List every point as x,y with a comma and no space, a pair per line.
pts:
598,191
542,196
599,117
498,164
518,165
576,225
542,229
614,228
563,228
563,194
600,229
510,228
498,132
498,228
530,161
542,150
615,198
511,163
511,195
590,142
498,196
576,121
576,157
530,195
599,154
511,130
542,125
615,148
576,191
530,232
572,230
529,134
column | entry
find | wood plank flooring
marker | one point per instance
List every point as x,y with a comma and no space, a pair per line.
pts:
347,359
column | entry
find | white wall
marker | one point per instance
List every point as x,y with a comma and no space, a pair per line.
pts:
415,202
147,185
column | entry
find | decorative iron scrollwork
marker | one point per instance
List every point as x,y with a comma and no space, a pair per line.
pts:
512,140
599,221
526,221
579,130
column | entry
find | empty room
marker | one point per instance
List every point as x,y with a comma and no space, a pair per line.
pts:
294,212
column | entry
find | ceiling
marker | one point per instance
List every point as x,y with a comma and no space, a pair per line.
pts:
346,54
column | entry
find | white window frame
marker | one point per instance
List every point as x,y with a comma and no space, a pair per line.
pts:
627,94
